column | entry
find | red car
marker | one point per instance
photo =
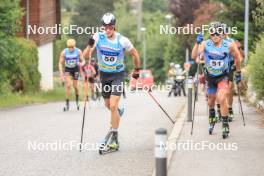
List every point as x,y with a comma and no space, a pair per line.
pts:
145,80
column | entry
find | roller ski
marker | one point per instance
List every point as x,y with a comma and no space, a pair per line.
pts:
225,128
110,143
67,106
212,121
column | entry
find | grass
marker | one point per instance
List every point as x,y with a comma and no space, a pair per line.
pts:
11,100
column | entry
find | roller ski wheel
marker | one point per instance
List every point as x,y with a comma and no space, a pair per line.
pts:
211,129
102,148
113,147
224,135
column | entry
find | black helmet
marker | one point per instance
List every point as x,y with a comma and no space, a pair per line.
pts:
108,19
215,27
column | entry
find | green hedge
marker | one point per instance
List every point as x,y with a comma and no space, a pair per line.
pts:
257,69
18,57
59,45
8,54
27,65
19,66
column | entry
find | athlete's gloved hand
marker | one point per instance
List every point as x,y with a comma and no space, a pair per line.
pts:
233,67
91,41
238,77
199,39
135,74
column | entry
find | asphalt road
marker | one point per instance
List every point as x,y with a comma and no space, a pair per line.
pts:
45,127
241,154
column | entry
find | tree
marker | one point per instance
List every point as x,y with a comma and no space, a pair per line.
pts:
90,13
256,69
258,14
155,5
184,13
69,5
233,14
208,11
10,16
183,10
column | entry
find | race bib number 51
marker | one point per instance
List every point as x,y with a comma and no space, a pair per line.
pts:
110,60
217,64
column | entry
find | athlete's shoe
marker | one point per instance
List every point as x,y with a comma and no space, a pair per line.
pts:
78,105
66,107
231,116
218,117
212,121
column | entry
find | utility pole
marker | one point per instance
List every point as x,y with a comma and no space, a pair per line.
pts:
139,19
246,31
143,30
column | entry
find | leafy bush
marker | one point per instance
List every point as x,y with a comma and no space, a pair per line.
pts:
19,66
257,69
27,66
59,45
10,16
18,57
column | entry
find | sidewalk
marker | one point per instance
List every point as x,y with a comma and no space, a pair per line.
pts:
241,154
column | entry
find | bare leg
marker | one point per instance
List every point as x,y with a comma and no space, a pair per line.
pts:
115,118
221,96
75,85
68,87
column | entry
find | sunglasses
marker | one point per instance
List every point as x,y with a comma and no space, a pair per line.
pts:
215,34
109,27
70,47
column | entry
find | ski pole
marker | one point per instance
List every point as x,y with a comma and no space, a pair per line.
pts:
160,107
240,103
196,91
84,110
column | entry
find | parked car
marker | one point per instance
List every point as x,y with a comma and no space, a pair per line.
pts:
145,80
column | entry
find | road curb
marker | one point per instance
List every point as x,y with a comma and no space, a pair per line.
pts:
175,133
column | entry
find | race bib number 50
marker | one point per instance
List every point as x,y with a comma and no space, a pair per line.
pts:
110,60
